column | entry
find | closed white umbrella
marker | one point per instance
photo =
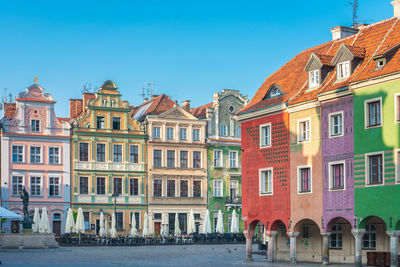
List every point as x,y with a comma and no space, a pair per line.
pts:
146,225
113,231
237,224
106,226
206,223
133,225
44,226
164,224
80,222
36,221
69,223
191,224
177,230
102,231
220,223
233,222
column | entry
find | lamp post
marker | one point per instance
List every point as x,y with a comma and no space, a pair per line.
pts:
115,195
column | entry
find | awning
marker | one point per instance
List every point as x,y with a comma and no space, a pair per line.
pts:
8,214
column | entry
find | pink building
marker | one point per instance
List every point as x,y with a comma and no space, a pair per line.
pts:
35,154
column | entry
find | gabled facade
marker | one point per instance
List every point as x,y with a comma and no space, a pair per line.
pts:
223,155
108,160
35,155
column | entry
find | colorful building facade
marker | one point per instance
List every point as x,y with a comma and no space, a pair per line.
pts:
108,160
35,155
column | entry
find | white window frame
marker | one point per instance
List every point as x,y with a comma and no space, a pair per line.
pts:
367,155
397,165
158,135
88,151
236,159
59,185
59,154
366,112
260,171
175,158
122,152
23,153
346,70
138,153
262,145
331,115
223,126
162,157
192,158
396,108
299,132
239,131
314,78
220,159
180,134
40,126
30,184
299,179
236,183
193,135
41,154
12,184
79,185
330,172
201,187
105,185
221,190
172,132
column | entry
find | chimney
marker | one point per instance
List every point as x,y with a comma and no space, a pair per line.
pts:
341,32
186,105
9,109
396,8
75,108
86,97
153,96
145,99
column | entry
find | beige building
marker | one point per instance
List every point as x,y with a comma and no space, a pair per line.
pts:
177,167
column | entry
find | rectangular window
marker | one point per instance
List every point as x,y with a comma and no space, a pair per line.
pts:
156,133
374,113
369,237
265,137
84,185
238,131
170,188
117,153
196,134
83,151
101,185
218,188
218,158
17,153
397,107
314,78
35,154
117,186
116,123
35,126
375,170
196,188
234,189
184,188
305,180
157,216
171,158
183,159
86,219
35,186
133,154
335,241
182,134
100,122
137,219
17,184
343,70
119,219
196,159
304,131
336,124
100,152
134,187
54,186
398,165
266,181
170,133
157,158
233,159
157,188
337,176
54,155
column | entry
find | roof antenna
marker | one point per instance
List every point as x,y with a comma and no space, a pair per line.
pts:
355,9
148,91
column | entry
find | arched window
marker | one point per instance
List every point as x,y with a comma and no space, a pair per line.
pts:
369,238
223,130
336,237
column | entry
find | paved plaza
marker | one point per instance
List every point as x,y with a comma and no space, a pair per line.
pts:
171,255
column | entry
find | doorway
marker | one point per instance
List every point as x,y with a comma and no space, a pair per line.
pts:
157,228
97,227
57,228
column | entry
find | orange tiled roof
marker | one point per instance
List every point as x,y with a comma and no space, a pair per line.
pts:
200,112
366,44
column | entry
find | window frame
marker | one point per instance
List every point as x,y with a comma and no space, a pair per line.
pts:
220,159
40,155
200,159
88,151
18,154
168,182
299,168
221,189
22,184
180,188
119,123
87,179
130,186
366,113
180,159
102,123
331,115
338,233
312,81
330,173
173,133
119,227
169,160
59,155
97,152
194,135
181,130
193,189
346,63
260,171
236,187
262,145
236,159
122,153
367,168
160,158
50,184
97,185
369,232
117,178
397,108
299,133
238,131
156,134
225,128
40,185
133,154
154,187
397,165
39,124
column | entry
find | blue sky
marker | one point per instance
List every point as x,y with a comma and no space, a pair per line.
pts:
189,49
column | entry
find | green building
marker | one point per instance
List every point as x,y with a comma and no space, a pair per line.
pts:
223,155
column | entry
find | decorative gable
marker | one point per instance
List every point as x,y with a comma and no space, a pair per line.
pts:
347,53
177,113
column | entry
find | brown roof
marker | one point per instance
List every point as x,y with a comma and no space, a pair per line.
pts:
9,109
155,106
365,45
200,112
63,119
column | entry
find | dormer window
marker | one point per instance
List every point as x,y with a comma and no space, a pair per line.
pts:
314,78
274,91
343,70
35,126
380,63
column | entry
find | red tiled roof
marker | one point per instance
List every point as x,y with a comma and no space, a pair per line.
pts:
158,105
63,119
200,112
325,59
365,45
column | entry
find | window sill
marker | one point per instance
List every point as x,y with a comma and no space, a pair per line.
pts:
304,192
266,194
337,189
373,126
336,135
55,197
336,248
369,249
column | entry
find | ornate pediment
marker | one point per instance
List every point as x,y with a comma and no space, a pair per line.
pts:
177,113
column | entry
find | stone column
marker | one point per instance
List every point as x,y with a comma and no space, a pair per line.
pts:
394,247
325,248
293,243
249,244
358,235
272,245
